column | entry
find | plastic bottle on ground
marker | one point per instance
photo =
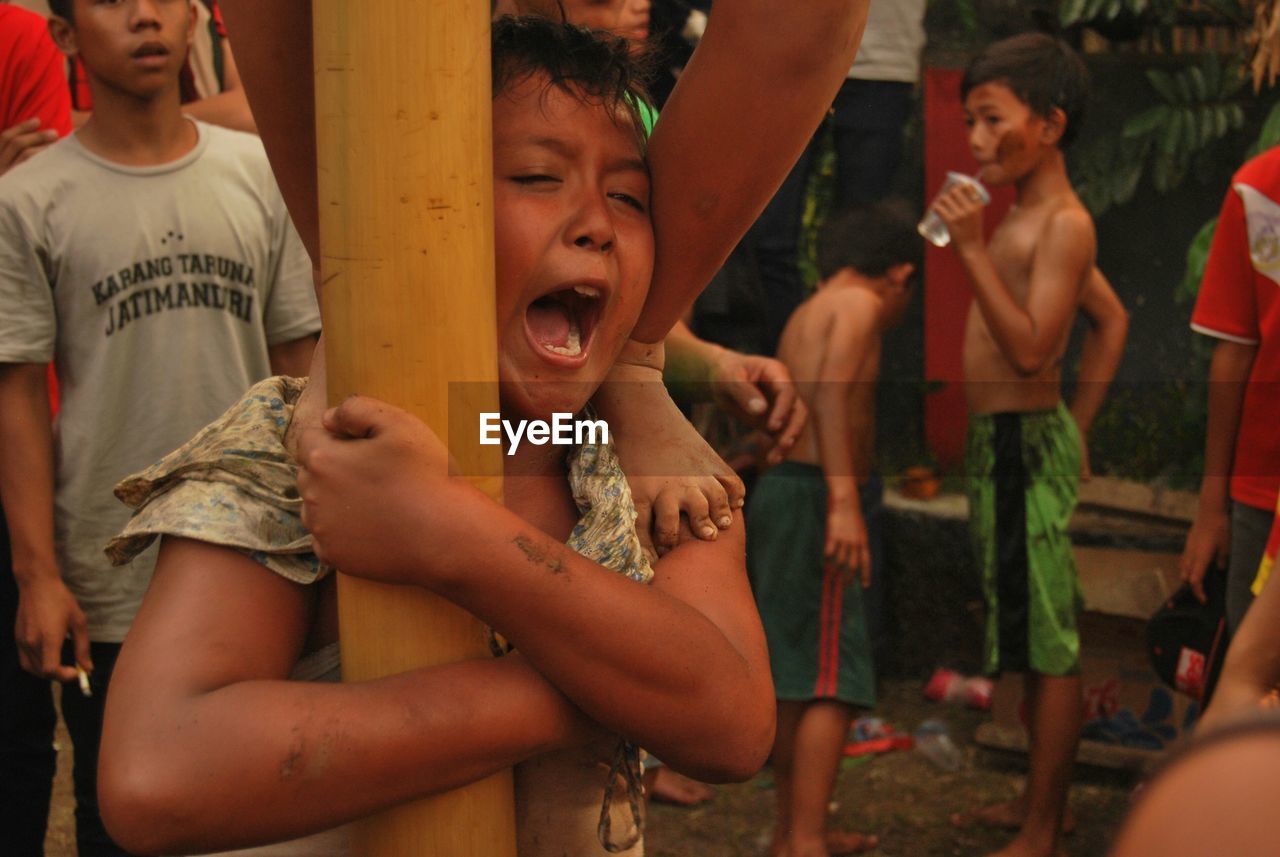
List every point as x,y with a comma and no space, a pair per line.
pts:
933,741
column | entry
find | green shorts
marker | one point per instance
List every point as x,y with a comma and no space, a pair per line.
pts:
813,617
1023,471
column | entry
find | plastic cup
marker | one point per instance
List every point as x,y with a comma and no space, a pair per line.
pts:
932,227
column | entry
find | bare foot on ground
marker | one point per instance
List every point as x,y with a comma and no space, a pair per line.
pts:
666,786
841,842
1007,815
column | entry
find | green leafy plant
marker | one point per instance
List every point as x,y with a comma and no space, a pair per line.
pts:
1200,106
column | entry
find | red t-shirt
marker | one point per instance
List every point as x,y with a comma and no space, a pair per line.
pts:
1240,302
31,70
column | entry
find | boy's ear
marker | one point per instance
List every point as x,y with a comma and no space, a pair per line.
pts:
1055,125
192,19
900,273
63,35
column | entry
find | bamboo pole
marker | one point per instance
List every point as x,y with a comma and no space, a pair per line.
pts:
403,133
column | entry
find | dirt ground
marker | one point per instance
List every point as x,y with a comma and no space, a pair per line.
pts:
899,795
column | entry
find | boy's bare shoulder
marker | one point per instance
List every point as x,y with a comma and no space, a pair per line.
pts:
831,319
1071,215
1069,223
848,304
1067,240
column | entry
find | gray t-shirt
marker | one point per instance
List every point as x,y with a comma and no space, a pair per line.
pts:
892,43
156,291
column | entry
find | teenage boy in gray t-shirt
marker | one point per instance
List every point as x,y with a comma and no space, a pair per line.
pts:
152,259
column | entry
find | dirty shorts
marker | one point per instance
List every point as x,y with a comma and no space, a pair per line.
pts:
1023,471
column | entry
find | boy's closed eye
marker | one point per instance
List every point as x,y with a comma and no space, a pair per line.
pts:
535,178
628,199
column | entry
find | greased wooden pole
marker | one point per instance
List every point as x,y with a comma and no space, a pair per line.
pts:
403,133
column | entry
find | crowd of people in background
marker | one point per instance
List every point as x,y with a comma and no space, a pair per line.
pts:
152,277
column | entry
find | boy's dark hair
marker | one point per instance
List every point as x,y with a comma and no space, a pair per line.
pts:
870,239
62,8
585,63
1043,72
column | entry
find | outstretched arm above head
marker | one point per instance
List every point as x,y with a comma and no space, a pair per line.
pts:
746,105
273,61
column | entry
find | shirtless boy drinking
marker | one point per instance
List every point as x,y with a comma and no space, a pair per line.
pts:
813,520
1023,101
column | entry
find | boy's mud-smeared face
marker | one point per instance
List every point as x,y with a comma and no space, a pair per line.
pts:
134,46
1005,136
574,244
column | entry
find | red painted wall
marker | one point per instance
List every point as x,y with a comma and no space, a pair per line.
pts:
946,290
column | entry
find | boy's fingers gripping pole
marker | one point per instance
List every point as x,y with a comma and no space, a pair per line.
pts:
357,416
405,192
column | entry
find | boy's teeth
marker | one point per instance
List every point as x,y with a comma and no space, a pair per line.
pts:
587,291
573,342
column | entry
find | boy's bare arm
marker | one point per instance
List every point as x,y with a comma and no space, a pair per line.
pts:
746,105
1252,668
725,141
1100,356
206,746
273,53
845,347
229,108
694,688
1029,334
1209,541
756,389
47,611
293,358
22,141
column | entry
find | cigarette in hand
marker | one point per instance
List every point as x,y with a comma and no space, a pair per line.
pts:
84,682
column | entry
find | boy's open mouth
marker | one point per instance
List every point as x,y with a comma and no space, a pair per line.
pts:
562,321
